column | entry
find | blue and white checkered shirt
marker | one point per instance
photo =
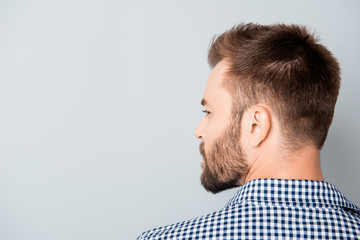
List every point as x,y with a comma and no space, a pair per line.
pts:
273,209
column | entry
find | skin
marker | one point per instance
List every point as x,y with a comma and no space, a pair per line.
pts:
259,140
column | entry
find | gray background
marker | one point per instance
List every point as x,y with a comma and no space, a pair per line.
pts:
99,101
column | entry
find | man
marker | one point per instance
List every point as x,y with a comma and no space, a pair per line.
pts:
269,102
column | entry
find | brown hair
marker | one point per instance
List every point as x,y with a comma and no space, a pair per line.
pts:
286,67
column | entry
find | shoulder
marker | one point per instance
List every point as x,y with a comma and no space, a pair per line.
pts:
204,226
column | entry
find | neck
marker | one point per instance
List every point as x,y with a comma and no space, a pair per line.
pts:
301,164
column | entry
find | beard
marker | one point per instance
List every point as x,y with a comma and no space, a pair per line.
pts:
224,167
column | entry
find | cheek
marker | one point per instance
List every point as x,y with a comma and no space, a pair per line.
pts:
214,130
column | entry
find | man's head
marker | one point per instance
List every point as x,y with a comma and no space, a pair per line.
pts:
280,70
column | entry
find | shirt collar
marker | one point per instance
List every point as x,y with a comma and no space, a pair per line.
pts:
291,191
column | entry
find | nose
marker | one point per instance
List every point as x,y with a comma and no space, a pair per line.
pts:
199,130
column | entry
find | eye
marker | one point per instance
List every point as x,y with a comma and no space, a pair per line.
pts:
207,112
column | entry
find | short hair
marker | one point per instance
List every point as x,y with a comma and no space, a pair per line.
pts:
286,67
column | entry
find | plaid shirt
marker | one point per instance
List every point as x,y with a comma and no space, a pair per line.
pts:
273,209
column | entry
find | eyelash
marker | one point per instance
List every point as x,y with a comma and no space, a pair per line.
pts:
207,112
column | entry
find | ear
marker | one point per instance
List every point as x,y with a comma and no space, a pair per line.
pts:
259,124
